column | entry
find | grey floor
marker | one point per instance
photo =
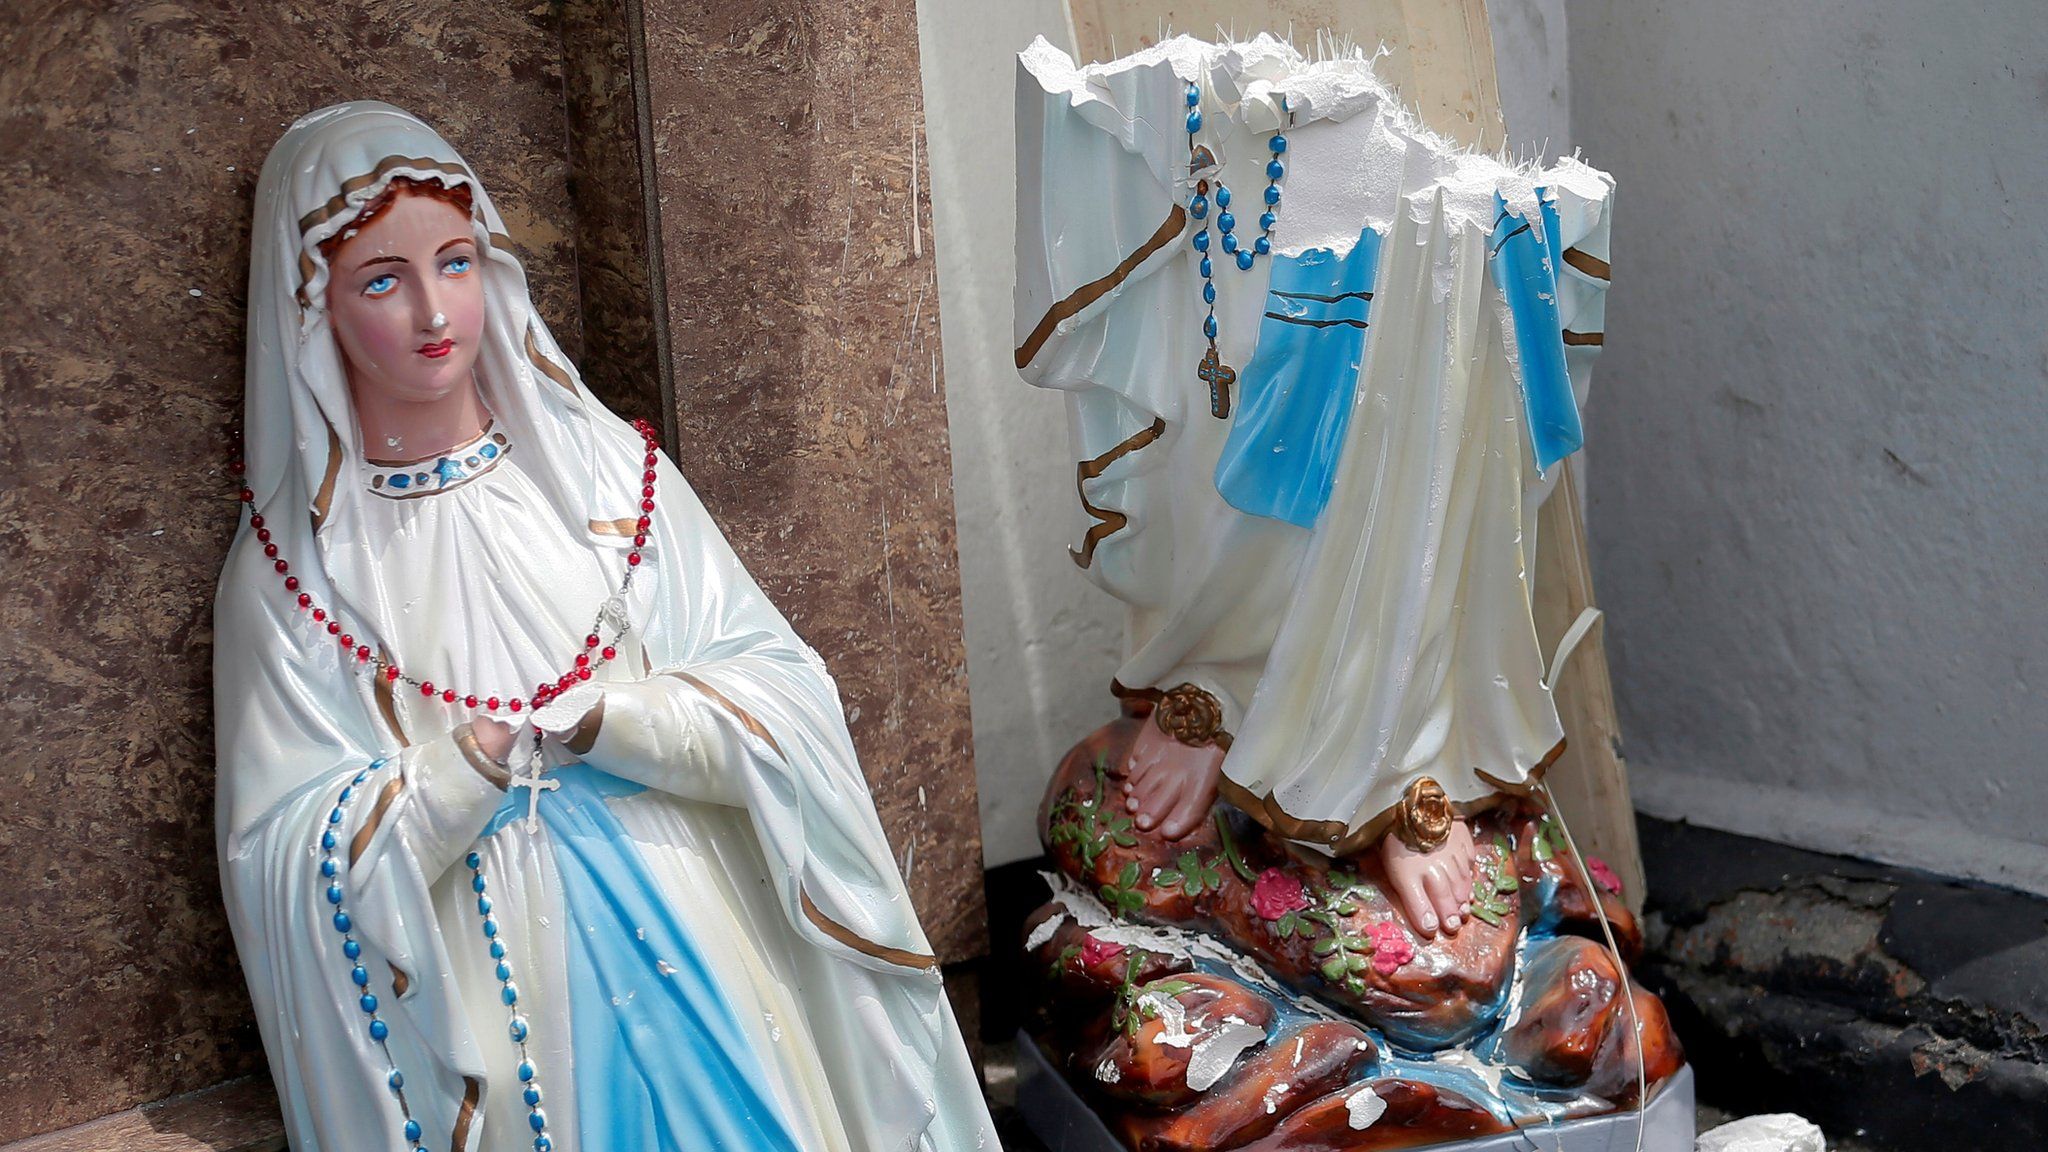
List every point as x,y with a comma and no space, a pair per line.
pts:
1000,1063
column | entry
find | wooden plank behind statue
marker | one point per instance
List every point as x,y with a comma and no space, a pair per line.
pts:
1441,58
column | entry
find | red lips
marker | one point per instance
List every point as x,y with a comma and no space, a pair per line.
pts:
436,351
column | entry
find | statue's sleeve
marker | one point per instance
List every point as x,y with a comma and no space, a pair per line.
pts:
313,805
1094,220
675,734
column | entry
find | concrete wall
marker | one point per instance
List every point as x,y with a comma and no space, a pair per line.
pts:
1042,643
1817,506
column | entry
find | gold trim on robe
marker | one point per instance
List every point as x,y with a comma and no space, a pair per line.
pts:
745,717
465,1116
1332,834
1111,523
1588,263
386,797
1089,293
547,367
861,944
323,500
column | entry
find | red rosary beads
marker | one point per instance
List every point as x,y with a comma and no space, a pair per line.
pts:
597,649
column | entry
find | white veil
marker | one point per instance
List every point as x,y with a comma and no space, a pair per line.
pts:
302,449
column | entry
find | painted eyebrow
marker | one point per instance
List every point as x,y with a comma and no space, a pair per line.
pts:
383,260
453,243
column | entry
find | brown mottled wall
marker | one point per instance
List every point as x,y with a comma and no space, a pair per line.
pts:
794,237
131,135
625,358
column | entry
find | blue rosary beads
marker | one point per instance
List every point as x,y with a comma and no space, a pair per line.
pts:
509,993
331,872
1213,371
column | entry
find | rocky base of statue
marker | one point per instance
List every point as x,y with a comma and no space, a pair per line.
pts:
1229,990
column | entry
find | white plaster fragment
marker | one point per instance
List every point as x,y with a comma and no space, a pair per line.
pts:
1044,932
1273,1096
1772,1132
1214,1055
1364,1106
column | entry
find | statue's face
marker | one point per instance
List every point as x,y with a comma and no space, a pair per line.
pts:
406,297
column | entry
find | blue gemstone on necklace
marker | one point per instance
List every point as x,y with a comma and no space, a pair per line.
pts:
412,1130
1275,169
1222,196
1194,95
1208,293
489,451
1226,222
1272,193
1207,268
1262,246
1244,259
1194,123
1198,207
1229,242
380,1031
1202,240
1266,221
1209,327
401,481
1278,143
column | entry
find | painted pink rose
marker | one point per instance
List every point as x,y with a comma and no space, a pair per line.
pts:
1603,875
1095,952
1276,894
1391,947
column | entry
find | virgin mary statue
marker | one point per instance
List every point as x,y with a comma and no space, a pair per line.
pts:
658,915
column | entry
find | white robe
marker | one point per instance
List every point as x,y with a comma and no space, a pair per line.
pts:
1392,639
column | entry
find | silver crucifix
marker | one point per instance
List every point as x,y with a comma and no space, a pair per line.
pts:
535,784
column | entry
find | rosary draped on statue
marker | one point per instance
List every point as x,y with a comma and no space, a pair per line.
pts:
669,919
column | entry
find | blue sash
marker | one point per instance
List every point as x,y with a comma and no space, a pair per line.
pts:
1526,270
661,1062
1281,457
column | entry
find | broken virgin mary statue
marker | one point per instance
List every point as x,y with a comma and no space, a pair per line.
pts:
1321,367
539,827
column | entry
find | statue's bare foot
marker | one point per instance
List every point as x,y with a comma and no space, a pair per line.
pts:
1169,785
1434,887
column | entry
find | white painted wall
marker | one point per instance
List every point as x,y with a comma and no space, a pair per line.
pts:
1042,642
1819,511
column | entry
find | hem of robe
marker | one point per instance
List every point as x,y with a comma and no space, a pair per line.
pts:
1339,839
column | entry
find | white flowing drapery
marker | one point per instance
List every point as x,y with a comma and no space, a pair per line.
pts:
1343,560
750,809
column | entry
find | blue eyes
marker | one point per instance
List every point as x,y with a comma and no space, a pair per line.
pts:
387,283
